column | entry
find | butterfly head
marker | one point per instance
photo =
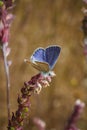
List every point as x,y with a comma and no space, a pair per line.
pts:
48,74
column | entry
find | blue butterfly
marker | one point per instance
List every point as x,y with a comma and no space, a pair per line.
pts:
45,59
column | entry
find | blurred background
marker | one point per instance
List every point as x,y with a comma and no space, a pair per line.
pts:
40,23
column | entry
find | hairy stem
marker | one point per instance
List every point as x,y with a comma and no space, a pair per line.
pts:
7,79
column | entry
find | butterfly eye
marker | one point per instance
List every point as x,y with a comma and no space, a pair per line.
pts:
49,74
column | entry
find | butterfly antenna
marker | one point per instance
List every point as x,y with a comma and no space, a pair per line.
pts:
27,60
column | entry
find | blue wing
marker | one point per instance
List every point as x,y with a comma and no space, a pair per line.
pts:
38,55
52,54
45,59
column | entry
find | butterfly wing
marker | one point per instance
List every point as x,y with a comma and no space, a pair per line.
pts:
52,54
38,60
35,66
41,66
44,60
44,67
38,55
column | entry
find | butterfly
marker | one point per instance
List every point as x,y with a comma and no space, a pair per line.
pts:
44,60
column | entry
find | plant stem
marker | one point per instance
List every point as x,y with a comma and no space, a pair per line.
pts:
34,85
7,79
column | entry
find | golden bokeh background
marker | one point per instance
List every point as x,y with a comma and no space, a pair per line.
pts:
40,23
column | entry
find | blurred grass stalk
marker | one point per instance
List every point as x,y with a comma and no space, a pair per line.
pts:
84,28
5,23
6,66
78,109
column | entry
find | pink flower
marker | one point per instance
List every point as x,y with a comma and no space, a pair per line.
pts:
40,80
39,123
5,22
85,1
78,109
8,3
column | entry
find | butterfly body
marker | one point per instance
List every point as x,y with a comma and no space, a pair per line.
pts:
44,60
